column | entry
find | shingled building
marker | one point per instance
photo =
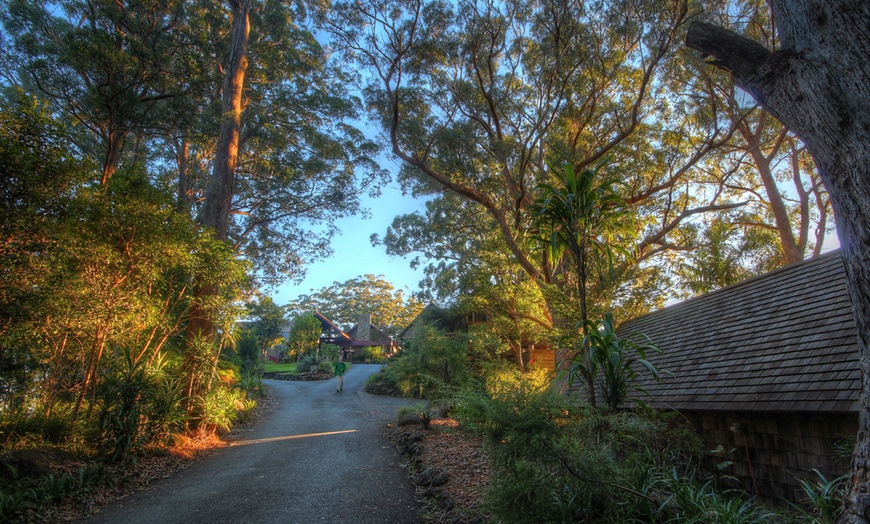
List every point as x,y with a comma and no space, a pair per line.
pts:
766,371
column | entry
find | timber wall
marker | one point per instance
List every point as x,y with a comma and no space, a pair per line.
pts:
767,452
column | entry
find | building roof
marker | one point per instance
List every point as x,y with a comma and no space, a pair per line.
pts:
783,341
410,329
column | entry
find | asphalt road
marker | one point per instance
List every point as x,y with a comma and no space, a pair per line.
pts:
320,457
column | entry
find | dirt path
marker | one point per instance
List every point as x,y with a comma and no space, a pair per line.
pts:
320,457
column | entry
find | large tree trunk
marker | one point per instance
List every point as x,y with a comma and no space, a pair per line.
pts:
219,194
818,84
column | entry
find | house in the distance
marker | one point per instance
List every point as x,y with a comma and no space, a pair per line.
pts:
363,334
766,371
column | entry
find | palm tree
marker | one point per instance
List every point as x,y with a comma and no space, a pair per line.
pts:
579,217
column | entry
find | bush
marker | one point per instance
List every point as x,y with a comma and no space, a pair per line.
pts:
220,407
432,365
556,461
368,354
29,429
307,364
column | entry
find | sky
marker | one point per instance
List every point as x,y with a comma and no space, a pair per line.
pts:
354,255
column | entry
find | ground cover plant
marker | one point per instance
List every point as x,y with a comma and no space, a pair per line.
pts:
554,458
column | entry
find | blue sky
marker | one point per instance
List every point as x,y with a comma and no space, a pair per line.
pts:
354,255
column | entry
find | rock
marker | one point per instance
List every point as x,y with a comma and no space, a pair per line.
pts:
431,493
409,419
35,462
431,477
413,450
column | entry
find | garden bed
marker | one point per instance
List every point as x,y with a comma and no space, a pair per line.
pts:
445,453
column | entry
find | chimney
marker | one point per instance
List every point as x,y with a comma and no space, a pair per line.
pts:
364,327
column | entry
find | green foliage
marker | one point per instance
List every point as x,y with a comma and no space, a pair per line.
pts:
250,363
330,351
614,362
343,303
120,416
304,336
31,429
824,497
21,497
699,501
432,364
557,462
220,407
267,319
368,354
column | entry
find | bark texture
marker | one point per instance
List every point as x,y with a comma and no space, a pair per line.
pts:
818,85
219,195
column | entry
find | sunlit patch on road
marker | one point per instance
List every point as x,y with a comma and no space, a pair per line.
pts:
292,437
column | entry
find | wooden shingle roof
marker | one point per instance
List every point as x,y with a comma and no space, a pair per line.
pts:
783,341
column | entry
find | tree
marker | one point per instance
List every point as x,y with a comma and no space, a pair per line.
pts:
579,216
105,64
344,302
304,335
267,319
476,97
38,183
719,259
764,163
817,84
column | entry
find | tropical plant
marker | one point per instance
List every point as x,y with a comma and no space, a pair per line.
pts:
588,223
614,361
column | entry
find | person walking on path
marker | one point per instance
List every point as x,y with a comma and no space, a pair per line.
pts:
340,368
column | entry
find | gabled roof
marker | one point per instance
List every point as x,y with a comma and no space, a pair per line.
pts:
375,333
408,332
783,341
329,327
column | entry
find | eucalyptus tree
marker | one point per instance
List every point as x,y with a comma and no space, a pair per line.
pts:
344,302
476,97
469,270
764,164
106,65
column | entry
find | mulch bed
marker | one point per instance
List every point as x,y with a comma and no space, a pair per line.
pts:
446,451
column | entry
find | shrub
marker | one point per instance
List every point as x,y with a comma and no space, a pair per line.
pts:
28,428
307,364
220,407
433,363
613,362
556,461
368,354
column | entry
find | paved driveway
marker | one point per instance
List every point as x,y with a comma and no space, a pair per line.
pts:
320,457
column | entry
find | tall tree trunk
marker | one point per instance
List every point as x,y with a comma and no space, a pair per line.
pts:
219,194
114,146
182,161
818,84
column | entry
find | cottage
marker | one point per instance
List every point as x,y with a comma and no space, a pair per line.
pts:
362,334
766,371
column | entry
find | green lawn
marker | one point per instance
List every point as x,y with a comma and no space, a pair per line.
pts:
271,367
